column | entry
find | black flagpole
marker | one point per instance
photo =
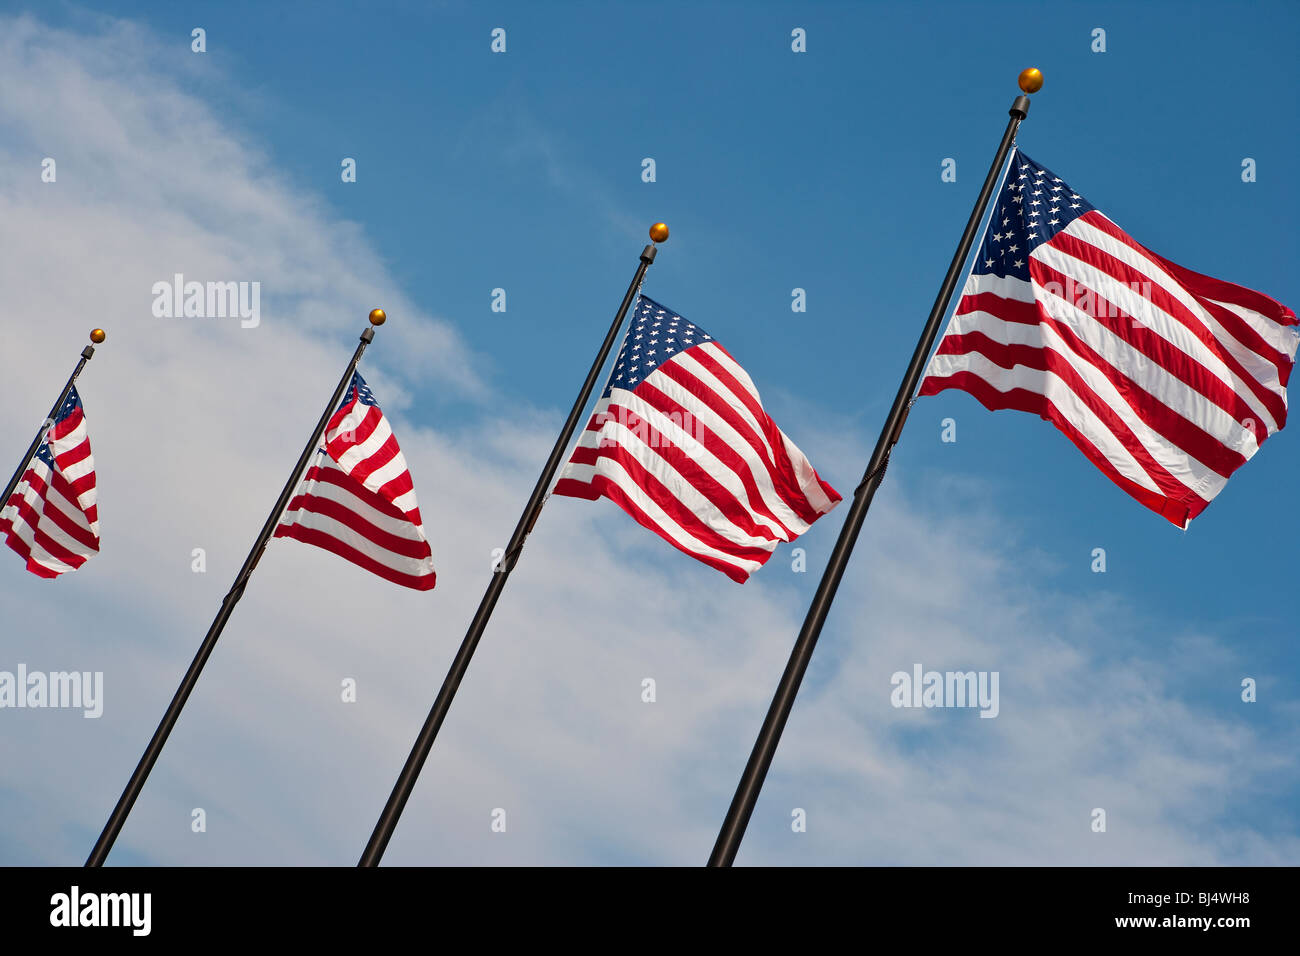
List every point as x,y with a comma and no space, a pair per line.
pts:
760,759
96,336
133,787
387,822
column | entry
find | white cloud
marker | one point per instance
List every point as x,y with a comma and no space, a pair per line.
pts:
194,426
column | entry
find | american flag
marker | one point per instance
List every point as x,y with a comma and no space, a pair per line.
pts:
357,498
52,519
1168,380
679,440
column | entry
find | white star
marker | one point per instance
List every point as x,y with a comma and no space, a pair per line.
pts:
1012,248
1053,222
1018,263
1074,205
988,263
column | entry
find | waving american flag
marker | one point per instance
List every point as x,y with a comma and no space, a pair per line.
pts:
52,519
1168,380
679,440
357,499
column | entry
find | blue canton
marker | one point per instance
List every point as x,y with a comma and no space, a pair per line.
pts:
1033,207
73,402
362,390
655,336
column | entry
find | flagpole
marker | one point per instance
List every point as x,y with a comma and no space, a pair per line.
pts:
760,759
387,823
133,787
96,336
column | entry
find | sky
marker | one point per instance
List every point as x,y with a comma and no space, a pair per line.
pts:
522,171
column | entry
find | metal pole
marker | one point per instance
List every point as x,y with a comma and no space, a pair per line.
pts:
387,823
133,787
760,758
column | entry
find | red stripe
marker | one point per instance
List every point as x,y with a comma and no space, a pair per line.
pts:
19,545
32,519
1008,356
787,483
665,498
723,409
405,547
1009,310
603,486
1177,511
339,478
1161,298
1161,418
739,513
422,582
1154,347
48,511
725,454
1206,288
67,426
369,421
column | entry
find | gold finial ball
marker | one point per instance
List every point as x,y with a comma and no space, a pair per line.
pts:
1031,80
98,335
378,317
659,232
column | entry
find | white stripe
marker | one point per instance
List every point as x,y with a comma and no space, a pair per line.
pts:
683,439
804,472
395,468
53,501
1072,409
406,502
1190,473
342,496
341,532
38,554
362,451
1284,338
1261,370
611,469
1155,380
703,412
806,475
681,489
693,365
1153,317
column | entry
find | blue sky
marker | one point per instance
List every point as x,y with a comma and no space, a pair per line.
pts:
522,171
